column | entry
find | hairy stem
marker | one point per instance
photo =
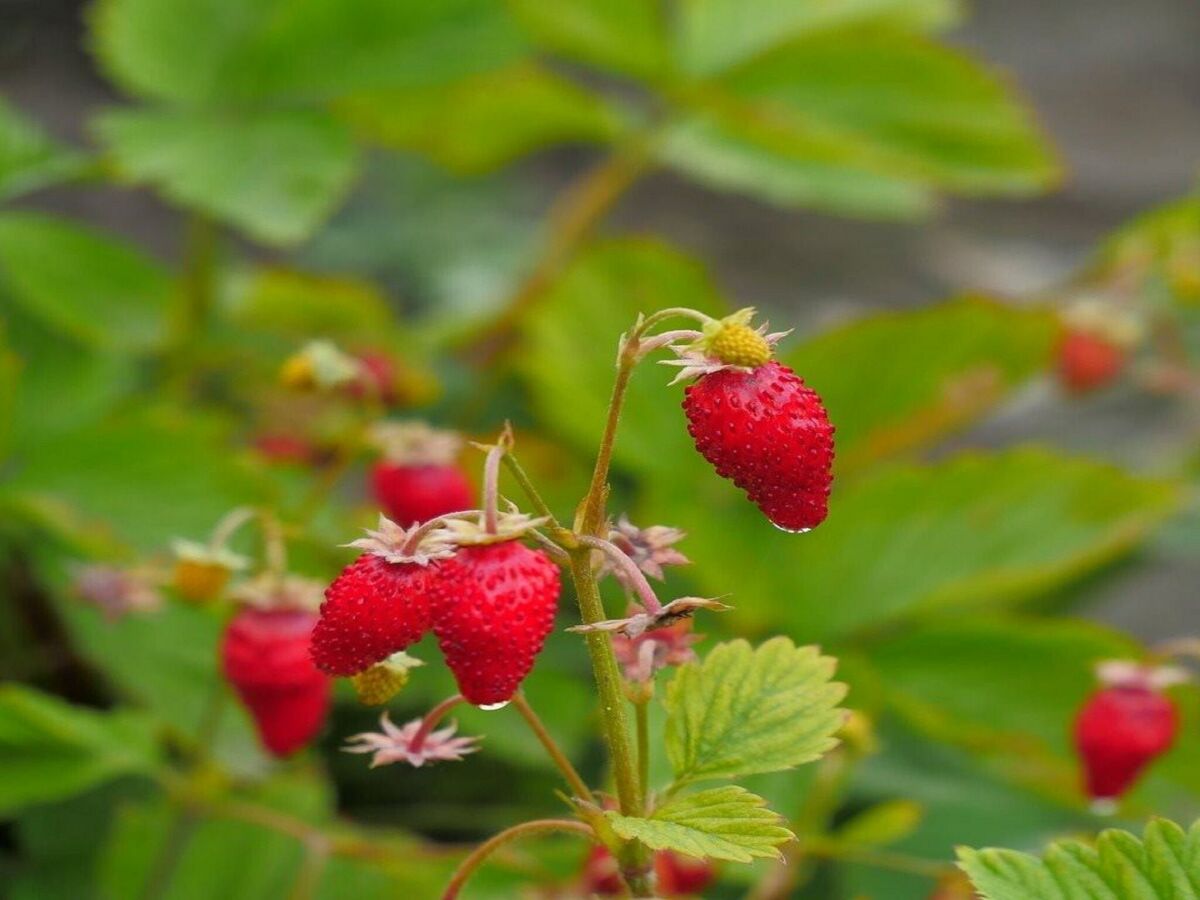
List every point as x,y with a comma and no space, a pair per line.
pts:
641,710
572,777
431,720
526,484
641,586
538,826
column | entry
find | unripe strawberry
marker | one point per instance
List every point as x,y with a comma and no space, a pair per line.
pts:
768,433
265,656
493,608
1124,726
202,572
1087,361
418,477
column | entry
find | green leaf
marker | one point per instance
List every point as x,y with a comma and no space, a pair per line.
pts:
713,35
720,823
882,824
485,121
28,158
969,532
1163,865
625,36
276,175
899,380
570,339
240,51
109,296
876,101
1163,242
742,710
50,749
299,305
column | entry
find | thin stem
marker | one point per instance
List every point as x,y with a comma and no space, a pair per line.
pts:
179,835
312,868
635,575
642,720
538,826
491,486
526,484
274,545
594,503
414,540
431,720
573,778
229,524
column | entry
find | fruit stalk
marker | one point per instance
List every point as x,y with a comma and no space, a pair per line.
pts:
572,777
537,826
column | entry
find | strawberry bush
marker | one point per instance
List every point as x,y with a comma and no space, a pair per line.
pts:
395,539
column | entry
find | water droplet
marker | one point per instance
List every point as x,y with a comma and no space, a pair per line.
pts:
791,530
488,707
1104,806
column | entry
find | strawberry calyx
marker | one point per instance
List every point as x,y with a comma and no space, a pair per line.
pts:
274,591
1126,673
510,525
319,366
1104,320
415,443
727,343
421,545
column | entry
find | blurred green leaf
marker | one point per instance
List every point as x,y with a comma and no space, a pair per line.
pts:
882,824
969,532
877,101
720,823
487,120
9,373
276,175
742,711
568,352
82,283
894,381
713,35
50,749
1163,865
238,51
1164,241
28,158
301,305
626,36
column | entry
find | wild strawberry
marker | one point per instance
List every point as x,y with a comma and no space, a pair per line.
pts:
265,656
680,875
1094,345
493,608
1124,726
380,603
202,571
600,875
417,479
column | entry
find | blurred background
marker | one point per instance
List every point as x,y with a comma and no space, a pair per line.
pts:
444,236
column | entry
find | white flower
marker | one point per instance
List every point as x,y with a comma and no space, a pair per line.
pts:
408,743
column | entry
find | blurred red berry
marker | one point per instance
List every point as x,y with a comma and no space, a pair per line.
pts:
1088,360
285,449
377,377
265,656
678,875
418,493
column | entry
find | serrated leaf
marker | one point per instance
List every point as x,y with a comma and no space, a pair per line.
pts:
29,159
50,749
626,36
743,711
719,823
111,296
277,175
712,35
898,380
1163,865
239,51
969,532
485,121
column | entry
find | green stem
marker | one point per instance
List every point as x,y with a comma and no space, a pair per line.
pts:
312,868
179,835
642,720
569,773
526,484
538,826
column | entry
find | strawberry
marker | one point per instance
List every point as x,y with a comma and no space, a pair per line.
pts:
678,875
265,656
1087,361
769,433
493,608
373,609
1124,726
410,494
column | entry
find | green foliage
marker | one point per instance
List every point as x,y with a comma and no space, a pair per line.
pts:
720,823
1163,865
743,710
884,823
29,159
50,749
110,296
276,174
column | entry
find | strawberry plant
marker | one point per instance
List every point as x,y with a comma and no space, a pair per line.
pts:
392,520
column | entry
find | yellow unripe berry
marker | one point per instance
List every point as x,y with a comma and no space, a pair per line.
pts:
379,684
198,580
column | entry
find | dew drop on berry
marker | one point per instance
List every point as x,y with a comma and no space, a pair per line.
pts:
489,707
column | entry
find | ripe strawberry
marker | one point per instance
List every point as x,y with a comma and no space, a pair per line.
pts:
1089,360
770,434
493,608
265,656
1122,727
418,493
373,609
678,875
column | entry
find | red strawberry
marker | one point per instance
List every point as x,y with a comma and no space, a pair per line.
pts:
680,875
418,493
770,434
600,875
373,609
1120,730
1088,360
493,608
265,656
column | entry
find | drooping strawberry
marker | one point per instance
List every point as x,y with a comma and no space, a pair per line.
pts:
380,603
418,478
1095,343
758,424
493,608
1124,726
265,656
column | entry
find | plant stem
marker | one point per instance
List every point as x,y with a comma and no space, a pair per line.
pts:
569,773
633,574
641,710
308,878
538,826
526,484
179,835
431,720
